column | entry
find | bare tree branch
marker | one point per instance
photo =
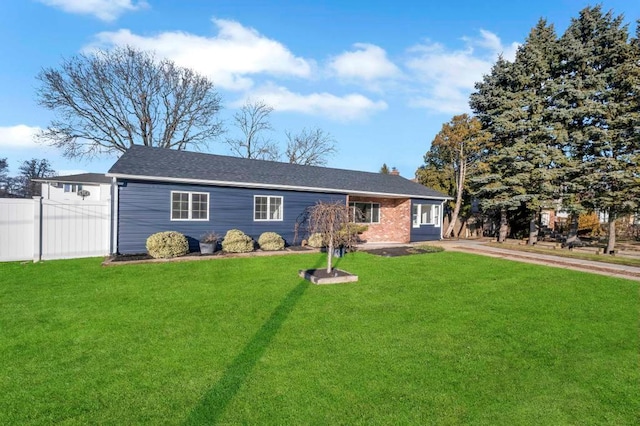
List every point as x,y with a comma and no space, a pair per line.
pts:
310,147
107,101
332,221
253,121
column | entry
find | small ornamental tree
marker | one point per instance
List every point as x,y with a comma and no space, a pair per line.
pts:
331,220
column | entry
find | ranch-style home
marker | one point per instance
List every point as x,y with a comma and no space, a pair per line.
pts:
158,189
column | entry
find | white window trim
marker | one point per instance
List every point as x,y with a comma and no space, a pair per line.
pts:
269,197
191,193
353,210
433,207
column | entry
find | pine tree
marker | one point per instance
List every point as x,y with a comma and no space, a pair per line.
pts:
538,155
595,100
493,104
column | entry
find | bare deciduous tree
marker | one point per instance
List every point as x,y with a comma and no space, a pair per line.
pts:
107,101
4,168
310,147
332,221
253,121
29,170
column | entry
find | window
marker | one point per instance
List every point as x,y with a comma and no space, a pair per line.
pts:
267,208
425,214
189,205
70,187
365,212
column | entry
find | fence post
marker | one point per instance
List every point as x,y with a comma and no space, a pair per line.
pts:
37,228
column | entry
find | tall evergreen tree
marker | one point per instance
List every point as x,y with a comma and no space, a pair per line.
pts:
595,100
536,151
495,185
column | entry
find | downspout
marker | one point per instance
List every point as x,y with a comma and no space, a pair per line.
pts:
441,218
113,249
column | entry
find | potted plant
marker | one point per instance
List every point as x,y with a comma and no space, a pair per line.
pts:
209,242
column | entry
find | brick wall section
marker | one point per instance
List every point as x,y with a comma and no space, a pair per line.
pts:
395,220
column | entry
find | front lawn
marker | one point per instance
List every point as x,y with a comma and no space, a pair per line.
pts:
441,338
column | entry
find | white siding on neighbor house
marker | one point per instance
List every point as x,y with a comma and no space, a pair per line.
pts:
47,229
97,192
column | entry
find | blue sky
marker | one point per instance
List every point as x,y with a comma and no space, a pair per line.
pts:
381,77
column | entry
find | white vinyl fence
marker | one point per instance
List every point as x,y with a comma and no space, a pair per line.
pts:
39,229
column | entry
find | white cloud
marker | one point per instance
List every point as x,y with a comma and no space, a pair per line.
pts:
106,10
367,62
493,43
19,136
228,58
448,76
341,108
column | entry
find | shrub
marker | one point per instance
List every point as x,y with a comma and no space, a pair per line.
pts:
271,241
209,238
426,248
236,241
167,244
316,240
352,229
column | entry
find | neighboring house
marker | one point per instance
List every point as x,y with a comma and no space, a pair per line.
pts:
85,186
161,189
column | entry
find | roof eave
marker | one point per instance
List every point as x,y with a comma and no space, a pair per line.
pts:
272,186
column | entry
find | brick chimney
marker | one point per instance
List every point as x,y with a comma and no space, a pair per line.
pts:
394,172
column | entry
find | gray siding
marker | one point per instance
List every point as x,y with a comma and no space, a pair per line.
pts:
144,209
425,232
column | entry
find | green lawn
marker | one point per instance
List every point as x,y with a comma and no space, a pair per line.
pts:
442,338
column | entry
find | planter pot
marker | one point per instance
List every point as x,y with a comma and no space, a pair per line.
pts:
208,248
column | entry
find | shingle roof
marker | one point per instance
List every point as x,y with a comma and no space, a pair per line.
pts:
78,178
159,164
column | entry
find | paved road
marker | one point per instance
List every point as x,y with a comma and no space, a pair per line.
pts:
602,268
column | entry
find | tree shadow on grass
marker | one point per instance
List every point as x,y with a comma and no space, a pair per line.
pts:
215,401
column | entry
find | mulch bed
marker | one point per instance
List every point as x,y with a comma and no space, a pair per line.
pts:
397,251
143,257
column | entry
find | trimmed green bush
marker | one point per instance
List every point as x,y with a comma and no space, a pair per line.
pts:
270,241
316,240
167,244
426,248
236,241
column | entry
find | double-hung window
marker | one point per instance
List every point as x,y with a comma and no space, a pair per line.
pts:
267,207
365,212
426,214
189,205
71,187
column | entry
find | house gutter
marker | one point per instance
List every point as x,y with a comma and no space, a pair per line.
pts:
113,248
442,219
271,186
